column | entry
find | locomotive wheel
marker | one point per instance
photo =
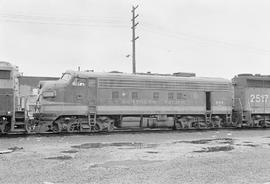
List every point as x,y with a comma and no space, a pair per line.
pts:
96,128
74,127
29,126
2,128
7,128
55,128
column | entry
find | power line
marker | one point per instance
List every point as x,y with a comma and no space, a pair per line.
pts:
77,21
188,36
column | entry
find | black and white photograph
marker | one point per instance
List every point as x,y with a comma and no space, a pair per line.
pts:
134,92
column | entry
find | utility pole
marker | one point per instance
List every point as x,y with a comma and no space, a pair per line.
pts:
134,38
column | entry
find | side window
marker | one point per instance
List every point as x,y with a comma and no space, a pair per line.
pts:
134,95
79,82
115,95
92,83
156,95
179,96
170,96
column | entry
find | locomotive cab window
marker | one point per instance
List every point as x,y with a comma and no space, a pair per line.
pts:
66,77
5,74
79,82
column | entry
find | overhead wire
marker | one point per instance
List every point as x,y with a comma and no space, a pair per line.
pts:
63,20
202,39
118,22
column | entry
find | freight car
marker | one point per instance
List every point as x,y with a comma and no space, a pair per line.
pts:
251,100
89,101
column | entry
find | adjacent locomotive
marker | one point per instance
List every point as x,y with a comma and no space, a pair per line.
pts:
251,100
89,101
17,99
11,119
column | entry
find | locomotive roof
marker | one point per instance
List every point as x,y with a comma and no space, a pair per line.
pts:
6,66
151,77
250,76
254,81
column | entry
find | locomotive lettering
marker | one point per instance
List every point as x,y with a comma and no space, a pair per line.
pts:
258,98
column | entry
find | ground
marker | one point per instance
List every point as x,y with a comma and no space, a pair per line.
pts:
224,156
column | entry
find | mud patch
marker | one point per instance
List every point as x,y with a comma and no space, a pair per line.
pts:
215,149
206,141
124,145
61,157
69,151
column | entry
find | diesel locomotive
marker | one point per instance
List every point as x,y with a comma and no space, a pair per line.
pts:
92,102
89,101
12,118
251,100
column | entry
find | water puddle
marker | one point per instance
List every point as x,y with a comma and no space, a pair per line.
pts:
10,150
124,145
125,163
69,151
247,142
152,152
206,141
251,145
215,149
61,157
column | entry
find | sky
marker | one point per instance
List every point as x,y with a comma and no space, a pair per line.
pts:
212,38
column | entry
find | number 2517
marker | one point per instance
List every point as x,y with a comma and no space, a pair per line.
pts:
258,98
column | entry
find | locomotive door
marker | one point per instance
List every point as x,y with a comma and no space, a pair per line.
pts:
208,100
92,94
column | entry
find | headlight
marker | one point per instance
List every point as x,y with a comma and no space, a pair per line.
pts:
48,94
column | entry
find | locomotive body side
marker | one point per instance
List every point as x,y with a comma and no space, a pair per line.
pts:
107,97
252,103
162,95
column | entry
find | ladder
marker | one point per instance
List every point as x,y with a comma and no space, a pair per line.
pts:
19,124
92,120
90,124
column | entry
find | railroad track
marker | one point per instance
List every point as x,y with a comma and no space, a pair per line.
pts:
125,131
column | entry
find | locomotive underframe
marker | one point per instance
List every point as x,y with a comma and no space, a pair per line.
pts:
102,122
5,124
249,119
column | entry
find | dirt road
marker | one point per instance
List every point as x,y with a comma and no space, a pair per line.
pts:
173,157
